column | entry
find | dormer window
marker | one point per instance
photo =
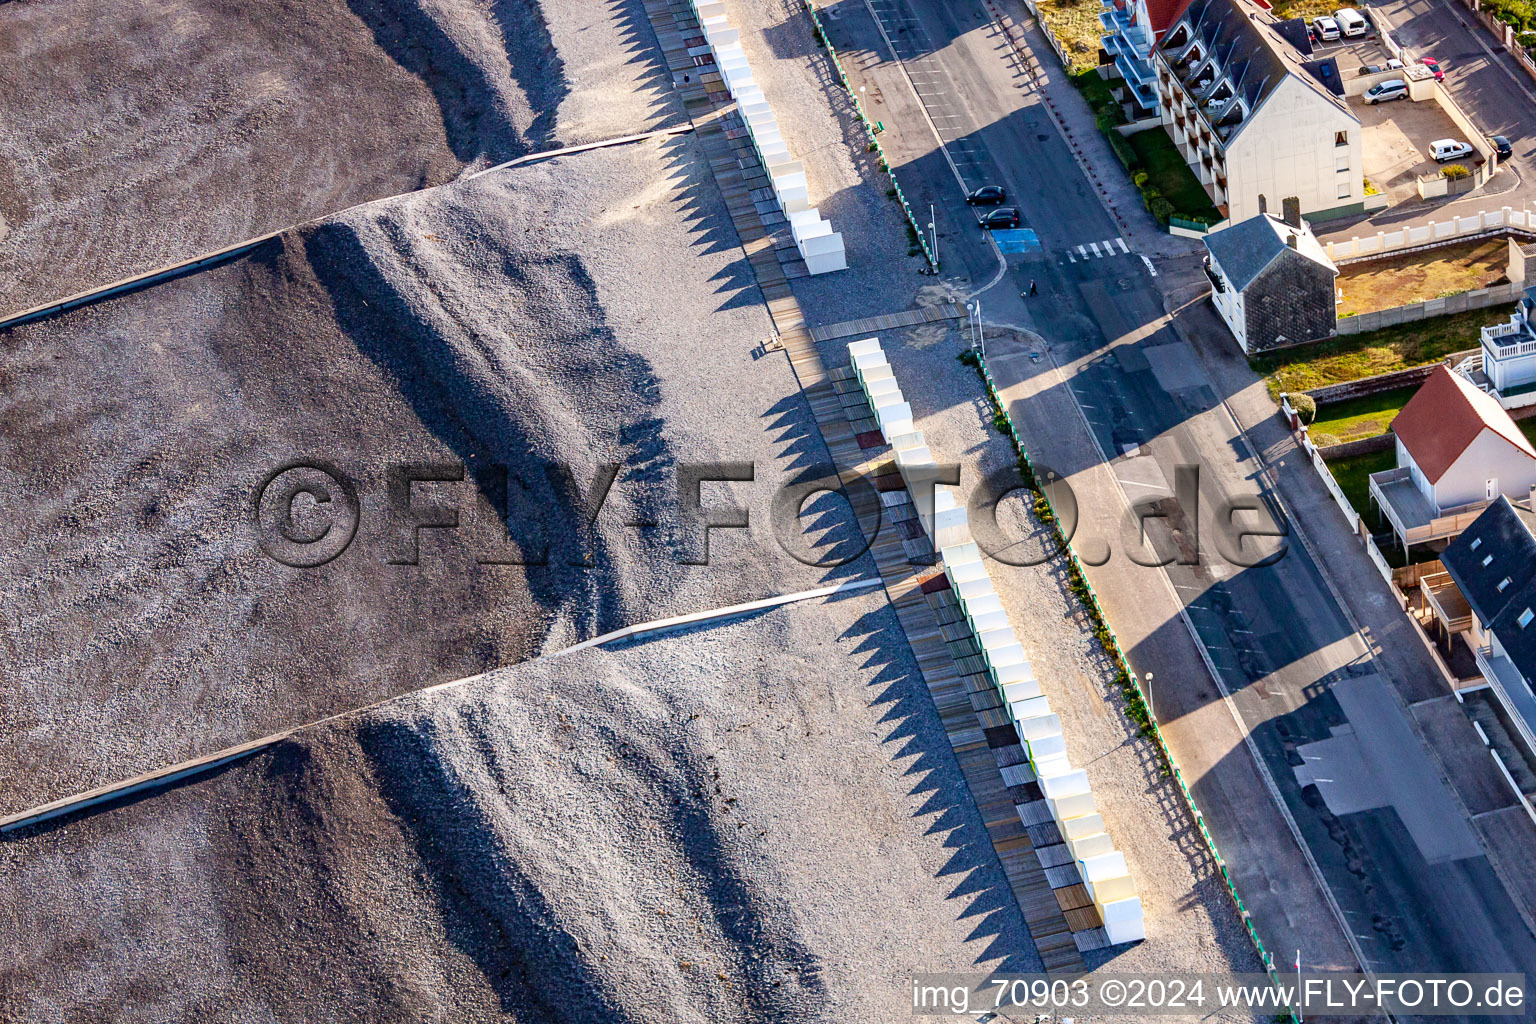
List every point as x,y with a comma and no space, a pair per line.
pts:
1525,618
1503,583
1179,37
1486,560
1475,544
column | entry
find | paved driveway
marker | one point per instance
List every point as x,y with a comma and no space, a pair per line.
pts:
1486,83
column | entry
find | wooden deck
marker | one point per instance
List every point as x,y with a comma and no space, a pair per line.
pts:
889,322
984,744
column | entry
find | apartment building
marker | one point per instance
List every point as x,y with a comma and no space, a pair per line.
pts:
1132,29
1254,114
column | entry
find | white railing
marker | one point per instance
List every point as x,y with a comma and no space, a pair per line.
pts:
1068,795
1434,231
1501,687
1338,494
1504,349
820,246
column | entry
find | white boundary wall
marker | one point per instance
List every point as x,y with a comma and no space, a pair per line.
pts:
820,246
1436,231
1068,795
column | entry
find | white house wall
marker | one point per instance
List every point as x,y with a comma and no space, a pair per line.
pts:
1229,305
1287,149
1512,372
1488,456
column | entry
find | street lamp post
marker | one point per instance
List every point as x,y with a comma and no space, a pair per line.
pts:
980,342
1150,711
934,233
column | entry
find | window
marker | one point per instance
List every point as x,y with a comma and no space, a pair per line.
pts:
1341,138
1343,165
1525,618
1475,544
1344,190
1503,583
1487,559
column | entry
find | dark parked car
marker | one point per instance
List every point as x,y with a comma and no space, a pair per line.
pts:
1371,69
1502,147
1003,217
1433,66
987,195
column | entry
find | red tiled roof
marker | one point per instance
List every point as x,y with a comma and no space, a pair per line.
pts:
1164,13
1445,416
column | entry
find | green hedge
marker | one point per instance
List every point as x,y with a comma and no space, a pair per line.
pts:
1519,15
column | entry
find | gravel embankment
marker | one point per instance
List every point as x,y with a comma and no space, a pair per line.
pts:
757,821
1191,922
146,133
590,309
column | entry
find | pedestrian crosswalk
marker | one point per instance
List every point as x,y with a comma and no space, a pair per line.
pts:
1098,250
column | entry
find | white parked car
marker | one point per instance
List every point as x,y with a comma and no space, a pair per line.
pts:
1326,28
1449,149
1351,22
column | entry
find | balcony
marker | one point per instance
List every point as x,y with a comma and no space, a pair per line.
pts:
1521,342
1115,13
1414,518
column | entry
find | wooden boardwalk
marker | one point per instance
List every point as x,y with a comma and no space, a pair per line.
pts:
889,322
984,744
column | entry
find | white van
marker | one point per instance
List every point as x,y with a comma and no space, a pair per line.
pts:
1325,28
1351,22
1449,149
1391,89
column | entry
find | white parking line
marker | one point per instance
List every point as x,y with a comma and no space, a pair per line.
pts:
1122,245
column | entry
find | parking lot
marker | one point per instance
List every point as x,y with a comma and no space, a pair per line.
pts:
1397,137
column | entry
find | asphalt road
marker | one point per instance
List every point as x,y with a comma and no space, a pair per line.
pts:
1390,840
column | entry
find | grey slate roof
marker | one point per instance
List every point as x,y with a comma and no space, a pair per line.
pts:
1250,48
1500,532
1244,249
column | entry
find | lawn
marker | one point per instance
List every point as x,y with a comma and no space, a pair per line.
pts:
1358,418
1306,9
1170,175
1415,277
1353,475
1076,25
1364,355
1100,96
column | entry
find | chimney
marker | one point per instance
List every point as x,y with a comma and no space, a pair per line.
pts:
1292,205
1290,239
1263,203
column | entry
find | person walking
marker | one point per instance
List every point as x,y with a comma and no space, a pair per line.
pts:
1033,288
